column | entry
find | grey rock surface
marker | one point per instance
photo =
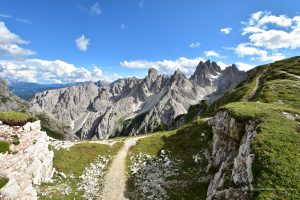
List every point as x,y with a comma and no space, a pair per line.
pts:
8,101
132,106
232,155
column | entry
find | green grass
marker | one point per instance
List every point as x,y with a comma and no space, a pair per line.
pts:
3,182
4,146
73,162
79,156
16,118
277,148
183,144
290,65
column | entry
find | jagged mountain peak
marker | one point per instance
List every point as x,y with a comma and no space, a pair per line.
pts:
178,74
152,73
156,99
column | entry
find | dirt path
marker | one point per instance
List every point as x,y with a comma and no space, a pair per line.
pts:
253,92
293,75
115,179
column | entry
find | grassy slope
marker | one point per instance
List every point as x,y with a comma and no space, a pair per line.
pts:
183,144
277,145
277,148
73,162
16,118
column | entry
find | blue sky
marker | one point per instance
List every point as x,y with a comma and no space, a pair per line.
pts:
64,41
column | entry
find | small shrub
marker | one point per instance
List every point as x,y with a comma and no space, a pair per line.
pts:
16,142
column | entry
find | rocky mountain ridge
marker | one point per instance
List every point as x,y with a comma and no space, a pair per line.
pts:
132,106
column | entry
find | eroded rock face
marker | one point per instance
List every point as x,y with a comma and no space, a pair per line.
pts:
29,162
233,156
132,106
8,101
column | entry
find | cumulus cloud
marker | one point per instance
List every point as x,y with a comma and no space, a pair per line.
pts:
195,44
244,66
261,33
95,9
44,71
9,43
186,65
240,65
82,43
269,36
243,50
226,30
213,53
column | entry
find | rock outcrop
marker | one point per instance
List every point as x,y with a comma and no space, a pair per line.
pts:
232,156
29,162
132,106
8,101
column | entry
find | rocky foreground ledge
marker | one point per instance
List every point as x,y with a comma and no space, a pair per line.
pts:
28,163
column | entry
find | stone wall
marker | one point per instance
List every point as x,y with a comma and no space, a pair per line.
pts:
28,163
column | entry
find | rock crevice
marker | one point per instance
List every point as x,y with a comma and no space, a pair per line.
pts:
232,156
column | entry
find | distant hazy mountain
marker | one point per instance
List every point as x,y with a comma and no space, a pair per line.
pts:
133,106
26,90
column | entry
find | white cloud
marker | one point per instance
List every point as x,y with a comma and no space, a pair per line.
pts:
213,53
286,34
186,65
82,43
195,44
240,65
243,50
268,34
44,71
7,37
244,66
226,30
9,43
95,9
15,50
222,65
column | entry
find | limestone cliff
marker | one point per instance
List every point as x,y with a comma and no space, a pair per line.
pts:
232,156
28,163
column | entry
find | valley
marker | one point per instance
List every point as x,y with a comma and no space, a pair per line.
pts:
239,146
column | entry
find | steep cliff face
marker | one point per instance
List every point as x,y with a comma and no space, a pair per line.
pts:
8,101
132,106
29,162
232,156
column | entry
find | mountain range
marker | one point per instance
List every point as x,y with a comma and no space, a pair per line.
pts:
133,106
